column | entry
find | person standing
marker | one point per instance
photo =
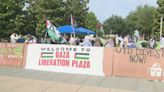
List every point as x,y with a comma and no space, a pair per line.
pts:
162,42
152,43
87,42
136,35
13,38
126,41
97,42
121,41
72,41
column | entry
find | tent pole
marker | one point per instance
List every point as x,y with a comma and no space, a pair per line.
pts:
74,35
45,37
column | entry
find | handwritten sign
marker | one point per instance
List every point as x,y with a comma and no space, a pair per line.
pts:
11,54
156,70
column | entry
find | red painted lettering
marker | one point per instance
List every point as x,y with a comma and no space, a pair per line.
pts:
80,64
62,55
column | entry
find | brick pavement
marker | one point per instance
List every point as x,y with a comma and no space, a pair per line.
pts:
21,80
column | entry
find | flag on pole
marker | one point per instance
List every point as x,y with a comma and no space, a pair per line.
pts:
72,20
102,30
52,31
72,23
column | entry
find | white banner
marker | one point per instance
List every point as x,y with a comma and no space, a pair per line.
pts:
67,59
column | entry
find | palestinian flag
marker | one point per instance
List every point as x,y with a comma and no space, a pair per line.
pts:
100,28
72,21
83,56
47,55
52,31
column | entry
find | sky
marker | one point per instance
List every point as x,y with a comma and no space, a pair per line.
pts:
106,8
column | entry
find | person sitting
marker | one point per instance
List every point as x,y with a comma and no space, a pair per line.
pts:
132,44
20,39
110,43
31,39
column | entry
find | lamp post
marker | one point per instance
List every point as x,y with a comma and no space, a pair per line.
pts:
161,24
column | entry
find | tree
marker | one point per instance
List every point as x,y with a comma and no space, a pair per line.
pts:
141,19
115,24
91,21
28,16
79,9
159,12
11,17
58,11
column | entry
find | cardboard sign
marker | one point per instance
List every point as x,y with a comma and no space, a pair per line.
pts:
11,54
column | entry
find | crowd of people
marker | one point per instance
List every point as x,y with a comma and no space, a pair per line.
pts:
15,38
90,40
139,42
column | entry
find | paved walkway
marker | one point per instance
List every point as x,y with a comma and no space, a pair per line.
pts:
21,80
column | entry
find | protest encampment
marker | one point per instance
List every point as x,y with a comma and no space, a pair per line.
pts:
81,46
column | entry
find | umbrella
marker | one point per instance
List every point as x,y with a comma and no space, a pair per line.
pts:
67,29
82,30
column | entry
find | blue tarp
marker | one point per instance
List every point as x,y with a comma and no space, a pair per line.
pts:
82,30
67,29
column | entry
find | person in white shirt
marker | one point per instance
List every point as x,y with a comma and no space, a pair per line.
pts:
72,41
152,43
126,41
121,41
13,38
87,42
162,42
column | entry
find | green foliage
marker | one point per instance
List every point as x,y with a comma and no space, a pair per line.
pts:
11,17
116,25
28,16
58,11
91,21
157,15
141,19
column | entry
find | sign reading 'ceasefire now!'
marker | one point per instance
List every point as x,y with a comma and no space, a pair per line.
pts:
69,59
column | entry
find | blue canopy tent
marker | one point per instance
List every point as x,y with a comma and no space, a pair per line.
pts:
67,29
82,30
